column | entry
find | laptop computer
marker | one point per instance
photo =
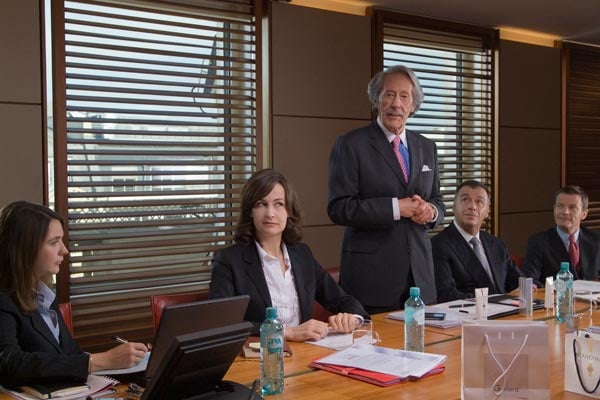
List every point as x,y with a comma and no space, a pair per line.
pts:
186,318
194,365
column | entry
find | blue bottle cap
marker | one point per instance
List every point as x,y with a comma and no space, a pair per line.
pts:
271,312
415,292
564,266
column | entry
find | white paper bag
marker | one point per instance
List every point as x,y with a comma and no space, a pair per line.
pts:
582,363
505,360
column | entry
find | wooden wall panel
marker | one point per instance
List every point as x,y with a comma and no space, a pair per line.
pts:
301,151
529,85
516,228
321,62
22,159
529,144
529,169
21,66
22,162
325,243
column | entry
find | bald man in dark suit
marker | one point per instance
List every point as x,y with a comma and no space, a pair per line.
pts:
465,257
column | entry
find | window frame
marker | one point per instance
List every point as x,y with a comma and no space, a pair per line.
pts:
490,40
60,143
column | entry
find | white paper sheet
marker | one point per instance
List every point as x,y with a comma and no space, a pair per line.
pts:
385,360
335,341
141,366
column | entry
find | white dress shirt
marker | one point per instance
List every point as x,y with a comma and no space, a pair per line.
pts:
281,285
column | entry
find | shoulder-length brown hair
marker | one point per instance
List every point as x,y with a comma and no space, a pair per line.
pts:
258,187
23,230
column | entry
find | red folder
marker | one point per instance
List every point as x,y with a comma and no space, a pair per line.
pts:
375,378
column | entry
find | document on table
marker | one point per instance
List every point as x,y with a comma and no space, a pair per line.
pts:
139,367
335,341
395,362
592,287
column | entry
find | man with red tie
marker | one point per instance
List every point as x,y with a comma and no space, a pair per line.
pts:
568,241
384,189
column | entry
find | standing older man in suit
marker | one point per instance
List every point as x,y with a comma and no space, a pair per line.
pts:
567,241
384,188
467,258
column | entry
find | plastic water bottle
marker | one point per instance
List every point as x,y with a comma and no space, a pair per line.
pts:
414,322
564,292
271,354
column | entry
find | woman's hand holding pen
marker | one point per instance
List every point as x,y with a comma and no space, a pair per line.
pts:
125,355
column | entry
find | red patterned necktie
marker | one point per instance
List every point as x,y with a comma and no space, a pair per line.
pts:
574,253
396,145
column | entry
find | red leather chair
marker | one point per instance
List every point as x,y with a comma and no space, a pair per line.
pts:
319,312
158,302
67,315
517,259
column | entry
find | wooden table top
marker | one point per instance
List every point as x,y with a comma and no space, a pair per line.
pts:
303,382
307,383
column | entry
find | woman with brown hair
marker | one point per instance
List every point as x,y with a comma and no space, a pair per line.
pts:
271,265
35,344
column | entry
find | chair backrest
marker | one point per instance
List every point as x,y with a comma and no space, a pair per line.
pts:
159,302
67,315
517,259
319,312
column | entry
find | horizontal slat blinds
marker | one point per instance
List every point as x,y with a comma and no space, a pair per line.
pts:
455,68
583,125
160,137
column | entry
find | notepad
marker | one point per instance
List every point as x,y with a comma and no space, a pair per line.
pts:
95,384
53,390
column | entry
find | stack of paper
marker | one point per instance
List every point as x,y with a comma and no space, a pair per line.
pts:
381,365
586,290
97,385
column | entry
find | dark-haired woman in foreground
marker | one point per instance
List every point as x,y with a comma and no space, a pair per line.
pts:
35,344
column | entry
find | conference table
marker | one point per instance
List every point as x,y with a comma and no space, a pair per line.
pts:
303,382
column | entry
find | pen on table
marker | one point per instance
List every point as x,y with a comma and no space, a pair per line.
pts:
119,339
461,305
463,311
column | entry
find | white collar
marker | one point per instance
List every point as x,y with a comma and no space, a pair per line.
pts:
389,135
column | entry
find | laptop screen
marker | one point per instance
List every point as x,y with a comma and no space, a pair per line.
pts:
195,364
181,319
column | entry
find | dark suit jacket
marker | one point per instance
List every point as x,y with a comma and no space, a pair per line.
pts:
237,270
458,271
30,353
378,253
545,251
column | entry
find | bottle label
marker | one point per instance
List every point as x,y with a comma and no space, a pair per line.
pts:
274,344
569,284
420,316
409,314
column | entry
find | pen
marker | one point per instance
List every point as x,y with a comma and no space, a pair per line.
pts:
119,339
463,311
461,305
